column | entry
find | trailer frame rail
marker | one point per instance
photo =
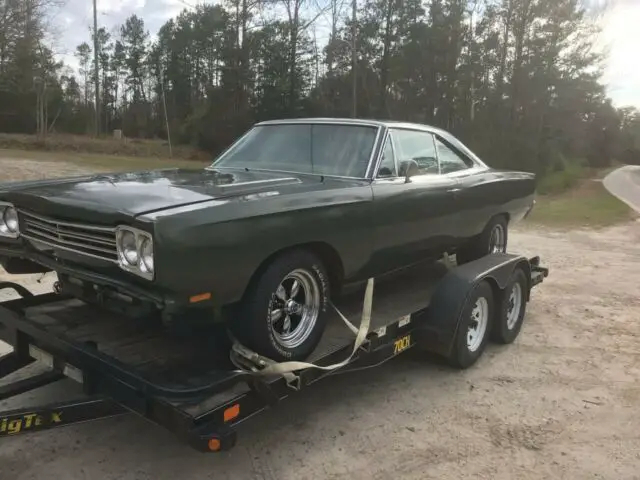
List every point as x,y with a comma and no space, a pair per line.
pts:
206,415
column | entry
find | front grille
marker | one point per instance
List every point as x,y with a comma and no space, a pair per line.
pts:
91,240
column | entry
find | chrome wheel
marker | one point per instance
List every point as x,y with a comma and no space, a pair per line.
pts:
497,241
515,304
295,308
478,325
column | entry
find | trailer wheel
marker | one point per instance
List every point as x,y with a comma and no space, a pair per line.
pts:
512,309
474,327
284,312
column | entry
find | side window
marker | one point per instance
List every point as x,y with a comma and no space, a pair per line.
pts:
388,162
417,146
450,161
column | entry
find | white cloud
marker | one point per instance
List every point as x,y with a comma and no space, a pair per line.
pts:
117,6
621,36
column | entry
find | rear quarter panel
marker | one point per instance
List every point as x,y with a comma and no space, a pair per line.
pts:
492,192
217,246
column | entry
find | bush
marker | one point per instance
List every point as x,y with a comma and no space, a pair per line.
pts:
562,175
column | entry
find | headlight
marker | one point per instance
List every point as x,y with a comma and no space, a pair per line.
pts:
146,255
9,226
128,248
135,251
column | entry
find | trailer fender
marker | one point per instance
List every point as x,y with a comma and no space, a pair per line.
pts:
440,320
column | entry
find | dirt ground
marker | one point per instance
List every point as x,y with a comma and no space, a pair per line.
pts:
562,402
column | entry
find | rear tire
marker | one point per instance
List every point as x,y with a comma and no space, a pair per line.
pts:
284,312
493,239
512,309
474,327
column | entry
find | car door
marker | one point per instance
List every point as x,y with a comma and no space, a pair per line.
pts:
473,201
413,220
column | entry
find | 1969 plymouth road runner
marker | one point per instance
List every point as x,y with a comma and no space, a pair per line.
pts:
286,217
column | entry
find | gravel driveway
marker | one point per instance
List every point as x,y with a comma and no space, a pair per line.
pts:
562,402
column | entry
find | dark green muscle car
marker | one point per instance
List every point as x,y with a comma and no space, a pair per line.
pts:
282,220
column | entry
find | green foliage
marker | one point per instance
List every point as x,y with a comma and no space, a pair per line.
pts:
629,147
515,79
562,175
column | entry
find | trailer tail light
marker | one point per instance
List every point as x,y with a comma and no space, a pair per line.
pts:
214,444
231,412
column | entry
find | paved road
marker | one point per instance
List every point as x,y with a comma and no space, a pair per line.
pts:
624,183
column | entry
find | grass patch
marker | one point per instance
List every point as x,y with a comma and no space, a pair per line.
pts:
103,162
126,147
562,175
588,204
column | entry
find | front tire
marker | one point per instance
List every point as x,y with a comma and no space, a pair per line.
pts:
284,312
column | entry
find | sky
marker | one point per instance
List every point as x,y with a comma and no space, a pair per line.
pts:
620,37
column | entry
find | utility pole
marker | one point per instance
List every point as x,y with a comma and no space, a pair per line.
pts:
96,73
354,58
166,115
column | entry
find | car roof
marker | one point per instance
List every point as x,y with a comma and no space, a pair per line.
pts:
352,121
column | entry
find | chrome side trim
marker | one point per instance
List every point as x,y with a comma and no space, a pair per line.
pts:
257,182
323,121
289,171
378,159
357,123
376,154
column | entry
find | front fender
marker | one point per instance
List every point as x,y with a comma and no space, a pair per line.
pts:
218,249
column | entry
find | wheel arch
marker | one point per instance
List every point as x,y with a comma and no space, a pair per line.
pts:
506,215
327,253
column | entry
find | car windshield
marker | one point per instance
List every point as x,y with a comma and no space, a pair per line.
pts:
323,149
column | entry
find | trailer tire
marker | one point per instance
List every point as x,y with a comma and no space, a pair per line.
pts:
512,309
474,327
277,322
493,239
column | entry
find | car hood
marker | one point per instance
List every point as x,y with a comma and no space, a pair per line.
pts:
133,194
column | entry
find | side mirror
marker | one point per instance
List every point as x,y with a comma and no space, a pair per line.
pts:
409,168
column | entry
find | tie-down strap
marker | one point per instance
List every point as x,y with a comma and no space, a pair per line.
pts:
249,361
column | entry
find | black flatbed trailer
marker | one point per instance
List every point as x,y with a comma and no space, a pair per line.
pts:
186,382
